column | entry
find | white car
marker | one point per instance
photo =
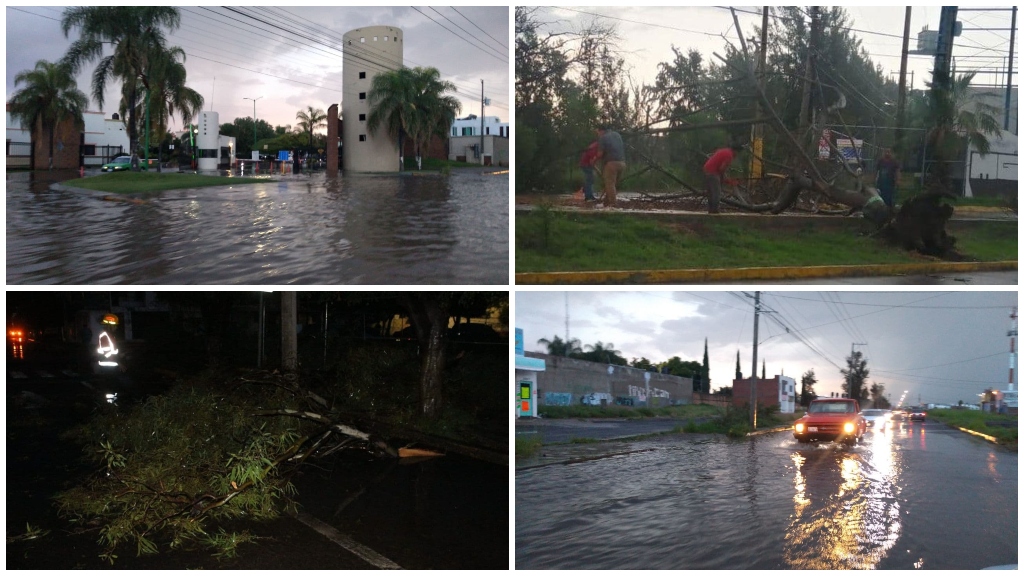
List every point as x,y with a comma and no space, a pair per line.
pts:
876,419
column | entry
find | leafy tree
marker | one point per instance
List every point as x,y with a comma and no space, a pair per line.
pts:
309,120
392,105
241,129
724,391
878,399
558,347
677,367
642,363
807,382
855,375
137,36
604,353
49,97
739,373
762,369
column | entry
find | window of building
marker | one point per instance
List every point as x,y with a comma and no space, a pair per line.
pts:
362,75
455,131
487,131
362,117
362,40
374,38
467,131
362,137
362,95
87,149
385,38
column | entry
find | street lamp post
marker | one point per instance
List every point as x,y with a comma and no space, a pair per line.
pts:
253,120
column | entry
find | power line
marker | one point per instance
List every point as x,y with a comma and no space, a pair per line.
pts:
427,16
637,22
500,43
474,36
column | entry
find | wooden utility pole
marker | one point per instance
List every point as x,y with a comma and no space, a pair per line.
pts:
805,101
1009,72
757,139
901,106
753,370
289,337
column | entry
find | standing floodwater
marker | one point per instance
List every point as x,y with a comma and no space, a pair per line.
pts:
358,229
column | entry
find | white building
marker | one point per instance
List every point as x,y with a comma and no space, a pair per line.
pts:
103,138
470,126
19,143
994,173
368,52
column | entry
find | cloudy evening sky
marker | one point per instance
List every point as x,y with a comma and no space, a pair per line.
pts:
252,59
943,346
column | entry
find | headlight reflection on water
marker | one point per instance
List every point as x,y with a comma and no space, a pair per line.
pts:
845,513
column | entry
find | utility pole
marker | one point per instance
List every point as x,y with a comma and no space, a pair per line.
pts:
805,101
289,337
944,50
567,324
1009,72
753,370
757,146
481,121
901,105
254,126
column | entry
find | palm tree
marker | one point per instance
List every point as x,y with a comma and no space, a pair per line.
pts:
310,120
955,116
168,93
601,352
558,347
435,109
136,35
391,105
49,97
412,102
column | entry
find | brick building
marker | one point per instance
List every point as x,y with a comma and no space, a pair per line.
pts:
776,391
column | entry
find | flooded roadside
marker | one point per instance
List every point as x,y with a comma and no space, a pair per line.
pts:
362,229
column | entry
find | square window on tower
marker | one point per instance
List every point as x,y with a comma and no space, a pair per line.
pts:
362,75
362,95
362,137
362,117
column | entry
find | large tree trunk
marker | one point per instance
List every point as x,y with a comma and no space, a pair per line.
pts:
430,313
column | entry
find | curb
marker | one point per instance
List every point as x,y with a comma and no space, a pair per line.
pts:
712,275
770,430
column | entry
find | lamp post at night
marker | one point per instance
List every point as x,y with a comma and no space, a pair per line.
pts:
253,122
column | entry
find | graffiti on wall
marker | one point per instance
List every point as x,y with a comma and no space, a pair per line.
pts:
557,398
641,393
596,399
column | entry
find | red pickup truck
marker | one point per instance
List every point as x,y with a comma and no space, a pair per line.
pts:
831,419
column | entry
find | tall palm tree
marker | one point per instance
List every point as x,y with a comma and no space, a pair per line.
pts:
136,34
310,120
168,93
392,105
956,116
435,108
49,97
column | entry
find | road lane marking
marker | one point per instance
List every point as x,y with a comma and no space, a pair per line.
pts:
17,375
345,542
45,374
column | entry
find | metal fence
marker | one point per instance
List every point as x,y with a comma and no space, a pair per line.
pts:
19,154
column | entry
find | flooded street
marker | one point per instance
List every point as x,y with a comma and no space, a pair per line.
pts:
919,496
359,229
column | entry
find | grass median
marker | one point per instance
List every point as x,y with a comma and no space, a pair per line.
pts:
137,182
553,241
1002,428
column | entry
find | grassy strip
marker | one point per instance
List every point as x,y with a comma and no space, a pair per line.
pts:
527,446
550,241
134,182
581,411
983,422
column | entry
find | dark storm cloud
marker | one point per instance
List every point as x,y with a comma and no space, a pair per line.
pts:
945,346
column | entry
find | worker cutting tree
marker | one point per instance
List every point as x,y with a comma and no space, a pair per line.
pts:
714,174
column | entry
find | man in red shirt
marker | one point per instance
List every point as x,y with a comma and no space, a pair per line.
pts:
587,161
714,174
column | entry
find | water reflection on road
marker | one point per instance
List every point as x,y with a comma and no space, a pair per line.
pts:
311,230
919,495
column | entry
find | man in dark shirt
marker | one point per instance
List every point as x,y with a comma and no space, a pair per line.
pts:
612,151
887,175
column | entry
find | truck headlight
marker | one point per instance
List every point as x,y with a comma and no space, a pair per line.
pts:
800,427
848,427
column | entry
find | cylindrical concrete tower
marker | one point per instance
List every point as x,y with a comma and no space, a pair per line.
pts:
368,52
207,140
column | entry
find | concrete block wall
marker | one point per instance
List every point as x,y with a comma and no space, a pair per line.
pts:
567,381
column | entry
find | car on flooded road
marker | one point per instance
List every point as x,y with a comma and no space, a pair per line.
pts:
876,419
117,164
918,413
831,419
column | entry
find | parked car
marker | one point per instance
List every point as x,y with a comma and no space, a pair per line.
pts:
831,419
917,413
119,163
876,419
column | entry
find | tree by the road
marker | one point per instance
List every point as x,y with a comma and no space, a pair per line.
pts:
310,120
878,399
739,373
558,347
50,96
955,117
807,382
137,36
855,375
604,353
705,372
168,94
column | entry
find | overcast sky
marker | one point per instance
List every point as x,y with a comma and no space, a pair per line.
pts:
646,35
943,346
248,58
